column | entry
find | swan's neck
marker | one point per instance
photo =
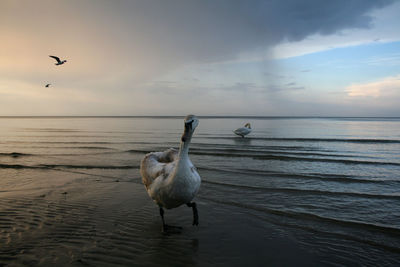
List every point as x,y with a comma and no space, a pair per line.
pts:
185,141
184,148
183,156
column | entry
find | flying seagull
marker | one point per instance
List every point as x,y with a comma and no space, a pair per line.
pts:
47,85
59,62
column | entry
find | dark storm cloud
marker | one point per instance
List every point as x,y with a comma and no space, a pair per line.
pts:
115,49
207,30
214,30
162,34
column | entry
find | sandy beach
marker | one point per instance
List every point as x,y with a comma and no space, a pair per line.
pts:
102,222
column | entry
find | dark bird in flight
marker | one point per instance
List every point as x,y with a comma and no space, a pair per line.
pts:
47,85
59,62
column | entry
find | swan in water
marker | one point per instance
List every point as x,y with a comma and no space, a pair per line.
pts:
243,130
170,177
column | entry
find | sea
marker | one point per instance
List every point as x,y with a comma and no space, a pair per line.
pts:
323,191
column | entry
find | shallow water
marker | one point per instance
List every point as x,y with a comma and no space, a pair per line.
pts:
324,190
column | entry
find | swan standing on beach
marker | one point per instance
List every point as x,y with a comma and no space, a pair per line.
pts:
170,177
243,130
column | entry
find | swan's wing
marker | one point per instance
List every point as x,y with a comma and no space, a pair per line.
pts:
169,155
56,58
151,168
157,163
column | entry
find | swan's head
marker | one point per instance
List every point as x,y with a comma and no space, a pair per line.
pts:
247,125
191,123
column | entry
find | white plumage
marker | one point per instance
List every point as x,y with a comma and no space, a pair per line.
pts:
243,130
170,177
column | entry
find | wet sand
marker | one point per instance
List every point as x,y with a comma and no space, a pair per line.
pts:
94,221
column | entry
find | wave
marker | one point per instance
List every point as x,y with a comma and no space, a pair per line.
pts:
64,142
282,156
68,136
91,147
51,130
273,156
88,142
336,140
144,151
262,151
389,240
312,217
305,191
18,154
16,166
77,147
53,166
292,158
64,166
313,176
14,154
262,147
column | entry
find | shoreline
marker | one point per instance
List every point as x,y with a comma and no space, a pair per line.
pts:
100,222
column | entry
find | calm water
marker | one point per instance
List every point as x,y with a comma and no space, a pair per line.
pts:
333,184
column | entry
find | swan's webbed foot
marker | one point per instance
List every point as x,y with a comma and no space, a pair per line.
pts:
171,229
195,213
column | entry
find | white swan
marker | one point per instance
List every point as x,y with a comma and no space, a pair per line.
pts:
170,177
243,130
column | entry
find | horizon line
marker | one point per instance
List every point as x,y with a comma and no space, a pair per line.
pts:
182,116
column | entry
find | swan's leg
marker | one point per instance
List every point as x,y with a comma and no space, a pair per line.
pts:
195,213
162,218
165,226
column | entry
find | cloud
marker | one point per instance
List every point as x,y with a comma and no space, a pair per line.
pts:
274,75
388,60
115,48
290,84
375,25
241,87
385,88
170,33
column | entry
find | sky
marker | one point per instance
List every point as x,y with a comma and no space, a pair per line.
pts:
208,57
